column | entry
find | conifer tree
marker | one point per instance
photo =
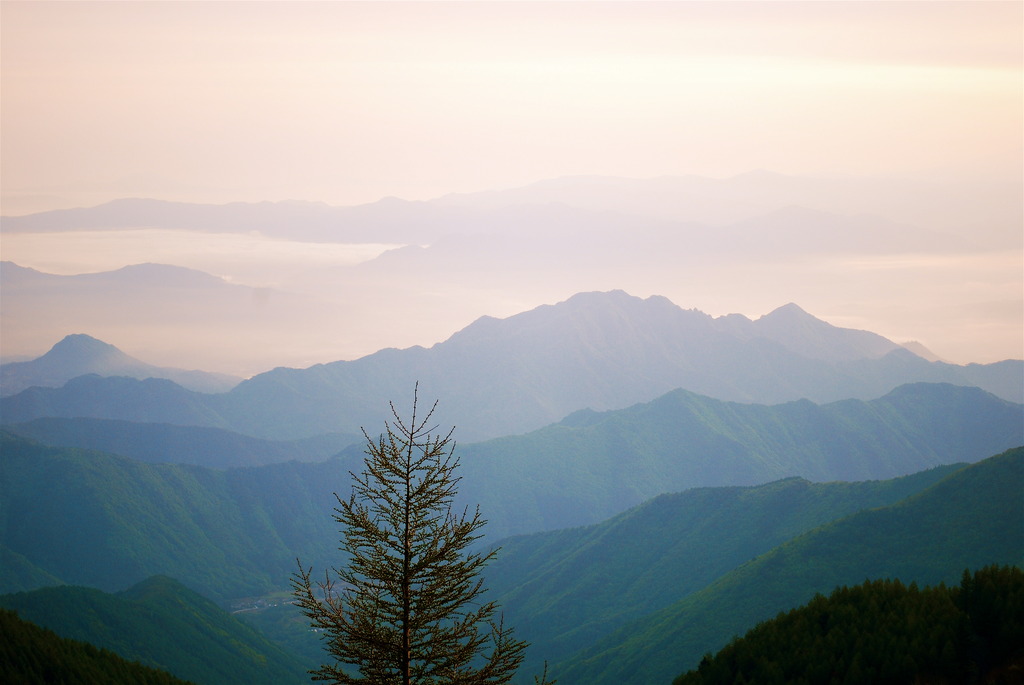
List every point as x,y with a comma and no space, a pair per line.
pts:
408,607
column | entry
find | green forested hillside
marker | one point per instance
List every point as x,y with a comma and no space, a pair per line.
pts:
223,529
237,532
565,589
969,520
163,443
90,518
286,626
161,624
884,631
19,573
30,655
594,465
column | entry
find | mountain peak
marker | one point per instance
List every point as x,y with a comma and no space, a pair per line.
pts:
79,348
808,335
594,297
789,311
165,275
79,354
921,351
74,355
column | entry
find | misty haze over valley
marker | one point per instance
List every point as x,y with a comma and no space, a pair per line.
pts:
307,283
723,303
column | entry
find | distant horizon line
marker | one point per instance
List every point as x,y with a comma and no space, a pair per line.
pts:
751,173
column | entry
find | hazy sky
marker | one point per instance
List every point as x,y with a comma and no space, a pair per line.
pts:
347,102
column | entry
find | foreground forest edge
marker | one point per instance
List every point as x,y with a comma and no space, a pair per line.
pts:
636,540
884,631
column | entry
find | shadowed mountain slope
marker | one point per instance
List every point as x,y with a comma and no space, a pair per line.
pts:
165,443
164,625
883,631
31,654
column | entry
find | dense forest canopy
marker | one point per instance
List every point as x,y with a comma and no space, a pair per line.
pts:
884,631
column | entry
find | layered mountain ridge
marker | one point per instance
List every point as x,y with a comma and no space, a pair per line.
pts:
79,354
966,521
237,531
506,376
655,587
670,478
595,464
738,244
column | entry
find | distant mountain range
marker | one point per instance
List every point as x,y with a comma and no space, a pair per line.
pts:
668,478
701,200
237,532
169,444
504,376
176,307
742,244
593,465
726,201
79,354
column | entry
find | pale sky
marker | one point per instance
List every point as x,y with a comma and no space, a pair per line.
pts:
348,102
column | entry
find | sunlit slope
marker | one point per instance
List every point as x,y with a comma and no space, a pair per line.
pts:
565,589
969,520
594,465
